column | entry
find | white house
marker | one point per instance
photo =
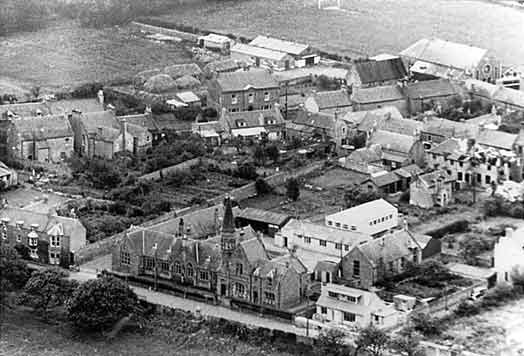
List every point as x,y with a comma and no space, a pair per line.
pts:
355,307
369,218
215,42
509,255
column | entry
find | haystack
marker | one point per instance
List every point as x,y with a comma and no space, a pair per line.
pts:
141,78
160,83
187,82
180,70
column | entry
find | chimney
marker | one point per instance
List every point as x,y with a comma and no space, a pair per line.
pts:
509,232
148,111
405,224
124,133
34,227
100,96
111,108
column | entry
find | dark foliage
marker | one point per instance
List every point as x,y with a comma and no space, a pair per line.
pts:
293,189
451,228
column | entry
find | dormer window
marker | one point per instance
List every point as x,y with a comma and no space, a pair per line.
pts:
266,96
234,99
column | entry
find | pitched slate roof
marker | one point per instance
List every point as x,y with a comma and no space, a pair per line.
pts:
431,178
26,109
509,96
102,123
408,171
332,99
277,44
448,128
377,94
497,139
384,179
143,120
389,247
430,89
447,53
391,124
76,105
264,216
43,127
319,120
391,141
254,250
356,117
239,81
254,51
451,145
255,118
380,71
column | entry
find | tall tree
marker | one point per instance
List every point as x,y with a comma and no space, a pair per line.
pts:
293,189
372,340
13,272
407,342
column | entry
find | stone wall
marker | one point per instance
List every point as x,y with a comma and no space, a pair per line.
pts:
165,31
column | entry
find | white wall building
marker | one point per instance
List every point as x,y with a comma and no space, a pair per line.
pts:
369,218
509,255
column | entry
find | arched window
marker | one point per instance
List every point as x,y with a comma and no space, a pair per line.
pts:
178,269
189,270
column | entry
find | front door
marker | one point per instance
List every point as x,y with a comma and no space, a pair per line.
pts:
223,289
255,297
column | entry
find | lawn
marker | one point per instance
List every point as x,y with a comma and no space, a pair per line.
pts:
22,334
65,55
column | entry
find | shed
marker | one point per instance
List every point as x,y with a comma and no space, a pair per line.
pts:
264,221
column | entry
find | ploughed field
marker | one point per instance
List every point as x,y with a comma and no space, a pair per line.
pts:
65,55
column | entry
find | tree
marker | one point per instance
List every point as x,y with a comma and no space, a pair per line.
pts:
98,304
331,343
35,92
357,140
273,153
292,189
407,342
14,272
262,187
48,288
259,155
426,325
356,196
372,340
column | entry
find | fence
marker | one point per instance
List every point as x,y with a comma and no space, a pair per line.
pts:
164,31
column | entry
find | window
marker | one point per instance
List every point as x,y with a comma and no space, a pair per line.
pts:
332,294
269,281
148,138
323,310
54,258
189,270
461,164
459,176
251,98
349,317
234,99
337,224
338,246
269,298
345,226
266,96
322,243
489,167
382,220
239,290
356,268
330,223
125,258
415,255
488,179
235,110
177,268
18,238
33,241
346,247
353,228
164,266
55,241
149,263
204,275
239,269
391,266
403,262
307,239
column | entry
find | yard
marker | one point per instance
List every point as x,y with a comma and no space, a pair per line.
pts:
65,55
33,199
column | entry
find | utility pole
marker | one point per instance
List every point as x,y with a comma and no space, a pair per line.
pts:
285,112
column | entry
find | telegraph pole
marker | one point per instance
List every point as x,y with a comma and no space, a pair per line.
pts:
285,112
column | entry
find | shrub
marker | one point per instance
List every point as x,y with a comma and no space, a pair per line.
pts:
331,343
498,296
262,187
426,325
467,308
292,189
451,228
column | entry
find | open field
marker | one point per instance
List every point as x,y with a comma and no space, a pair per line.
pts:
366,26
65,55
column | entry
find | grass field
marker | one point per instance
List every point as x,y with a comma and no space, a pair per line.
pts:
64,55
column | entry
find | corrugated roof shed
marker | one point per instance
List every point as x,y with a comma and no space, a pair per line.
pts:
276,44
264,216
362,211
259,52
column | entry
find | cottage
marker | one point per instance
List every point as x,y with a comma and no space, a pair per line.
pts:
388,122
432,189
354,307
211,131
262,57
398,150
388,255
436,58
430,95
244,91
48,238
372,73
264,221
321,126
355,118
253,124
302,54
509,255
328,101
377,97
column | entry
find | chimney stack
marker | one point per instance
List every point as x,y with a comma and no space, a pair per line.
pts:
100,96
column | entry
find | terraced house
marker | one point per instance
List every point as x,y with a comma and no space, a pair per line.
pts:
233,267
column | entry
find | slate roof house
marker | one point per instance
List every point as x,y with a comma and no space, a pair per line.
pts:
233,267
244,91
377,97
436,130
372,122
373,73
432,189
430,95
328,101
502,97
437,58
323,126
253,124
49,238
398,150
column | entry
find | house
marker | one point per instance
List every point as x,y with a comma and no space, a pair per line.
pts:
355,118
41,138
385,256
436,130
146,121
354,307
102,134
244,91
398,150
437,58
388,122
370,218
501,97
377,97
432,189
262,57
430,95
212,131
513,77
216,42
264,221
303,54
49,238
69,106
372,73
509,255
253,124
233,267
328,101
8,176
323,126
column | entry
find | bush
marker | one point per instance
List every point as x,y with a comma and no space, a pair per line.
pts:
98,304
292,189
497,296
262,187
467,308
426,325
451,228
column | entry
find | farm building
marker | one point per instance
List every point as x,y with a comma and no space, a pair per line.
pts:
262,57
216,42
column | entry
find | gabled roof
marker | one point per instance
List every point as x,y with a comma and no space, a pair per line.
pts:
509,96
497,139
213,37
372,71
366,154
408,171
264,216
188,97
447,53
255,118
102,123
254,250
385,179
437,70
448,128
276,44
43,127
319,120
388,247
356,117
143,120
390,141
377,94
481,88
260,52
431,178
389,123
449,146
363,211
26,109
430,89
240,81
75,105
332,99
